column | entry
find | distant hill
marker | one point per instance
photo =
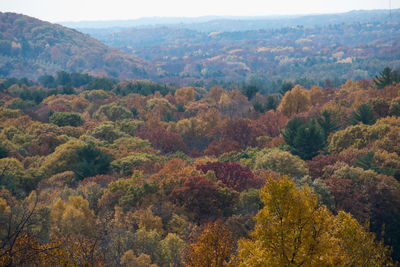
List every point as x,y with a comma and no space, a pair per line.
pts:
339,51
239,23
30,47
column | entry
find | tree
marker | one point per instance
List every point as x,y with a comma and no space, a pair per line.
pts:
91,161
231,174
292,229
364,114
66,118
160,138
129,259
283,163
271,123
172,248
107,131
327,123
211,248
12,174
290,132
241,131
308,141
112,112
386,77
286,86
63,158
184,95
361,135
218,147
204,198
73,217
271,103
250,91
147,242
294,101
304,139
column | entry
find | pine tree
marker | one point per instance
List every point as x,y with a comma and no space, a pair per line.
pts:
364,114
327,124
386,77
308,142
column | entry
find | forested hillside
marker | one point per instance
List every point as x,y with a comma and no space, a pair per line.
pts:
308,50
30,48
107,172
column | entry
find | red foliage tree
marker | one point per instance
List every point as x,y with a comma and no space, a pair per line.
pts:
271,123
203,198
348,197
318,163
220,147
242,131
163,140
231,174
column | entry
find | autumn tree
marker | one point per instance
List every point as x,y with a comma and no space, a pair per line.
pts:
283,163
293,229
166,141
66,118
203,198
294,101
184,95
231,174
212,247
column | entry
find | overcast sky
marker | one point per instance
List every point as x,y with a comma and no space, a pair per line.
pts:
78,10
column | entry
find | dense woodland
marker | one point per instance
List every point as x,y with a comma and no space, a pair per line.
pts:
305,50
336,51
260,146
98,171
30,48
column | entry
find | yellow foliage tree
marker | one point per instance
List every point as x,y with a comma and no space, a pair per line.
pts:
211,247
184,95
316,95
129,259
295,101
73,216
294,230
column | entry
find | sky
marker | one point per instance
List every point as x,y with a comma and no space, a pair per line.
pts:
83,10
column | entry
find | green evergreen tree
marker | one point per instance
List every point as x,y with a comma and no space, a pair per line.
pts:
286,86
290,132
364,114
250,91
327,124
309,140
386,77
3,151
92,161
271,103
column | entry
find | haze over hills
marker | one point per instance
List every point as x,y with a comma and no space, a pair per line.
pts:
30,47
263,51
240,23
354,45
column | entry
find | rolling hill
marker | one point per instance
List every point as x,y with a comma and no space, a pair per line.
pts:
354,45
30,48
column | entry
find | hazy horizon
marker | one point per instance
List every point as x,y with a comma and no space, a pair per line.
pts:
91,10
